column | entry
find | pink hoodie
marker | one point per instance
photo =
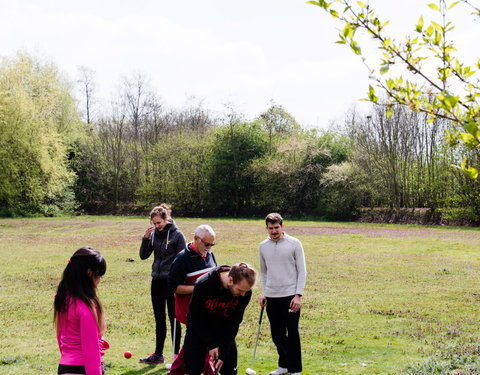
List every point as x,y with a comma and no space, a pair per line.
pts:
79,339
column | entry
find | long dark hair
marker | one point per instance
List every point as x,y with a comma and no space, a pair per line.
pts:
85,265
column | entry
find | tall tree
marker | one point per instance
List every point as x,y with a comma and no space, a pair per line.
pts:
38,125
235,147
277,120
178,172
113,135
86,80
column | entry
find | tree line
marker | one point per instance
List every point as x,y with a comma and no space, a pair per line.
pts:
59,156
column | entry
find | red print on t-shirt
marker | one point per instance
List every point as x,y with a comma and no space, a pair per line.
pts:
221,308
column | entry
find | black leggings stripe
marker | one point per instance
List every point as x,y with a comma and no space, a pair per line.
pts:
74,369
71,369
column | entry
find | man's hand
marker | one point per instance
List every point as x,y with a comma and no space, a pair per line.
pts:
217,363
214,354
262,301
295,303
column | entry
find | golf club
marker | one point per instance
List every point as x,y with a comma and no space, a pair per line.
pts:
250,370
168,366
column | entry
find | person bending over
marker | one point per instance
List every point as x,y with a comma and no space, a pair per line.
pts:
216,310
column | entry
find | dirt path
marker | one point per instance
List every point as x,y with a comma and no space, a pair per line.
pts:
372,232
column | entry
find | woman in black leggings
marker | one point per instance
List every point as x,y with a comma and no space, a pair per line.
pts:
165,240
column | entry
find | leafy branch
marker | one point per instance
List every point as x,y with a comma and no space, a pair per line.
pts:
454,92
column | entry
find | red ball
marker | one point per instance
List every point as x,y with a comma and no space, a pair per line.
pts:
127,355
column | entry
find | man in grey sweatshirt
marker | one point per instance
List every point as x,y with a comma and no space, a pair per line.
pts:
283,271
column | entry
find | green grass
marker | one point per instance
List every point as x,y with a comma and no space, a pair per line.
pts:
380,299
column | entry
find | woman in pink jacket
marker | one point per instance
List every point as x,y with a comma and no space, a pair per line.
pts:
78,316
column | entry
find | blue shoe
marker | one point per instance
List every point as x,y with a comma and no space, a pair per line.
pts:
153,359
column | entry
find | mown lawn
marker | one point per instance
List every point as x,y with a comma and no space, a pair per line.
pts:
379,297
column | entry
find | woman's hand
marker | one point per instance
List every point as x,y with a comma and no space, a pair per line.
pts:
148,232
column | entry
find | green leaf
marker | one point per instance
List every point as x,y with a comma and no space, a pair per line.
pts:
348,30
469,171
355,47
371,94
389,112
437,26
448,101
453,4
451,139
469,140
390,84
434,6
472,173
471,127
321,3
429,31
384,69
361,5
419,26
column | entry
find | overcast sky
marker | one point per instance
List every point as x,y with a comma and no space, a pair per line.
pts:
243,52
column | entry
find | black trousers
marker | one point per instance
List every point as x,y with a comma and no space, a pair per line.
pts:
160,298
285,335
194,352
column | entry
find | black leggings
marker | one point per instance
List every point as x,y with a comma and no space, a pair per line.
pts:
160,297
74,369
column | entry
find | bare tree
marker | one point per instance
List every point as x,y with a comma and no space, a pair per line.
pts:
87,81
112,134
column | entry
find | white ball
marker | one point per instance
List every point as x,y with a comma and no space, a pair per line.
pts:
168,366
251,371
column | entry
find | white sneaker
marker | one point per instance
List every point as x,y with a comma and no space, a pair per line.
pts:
279,371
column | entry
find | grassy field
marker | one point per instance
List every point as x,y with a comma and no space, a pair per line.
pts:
379,298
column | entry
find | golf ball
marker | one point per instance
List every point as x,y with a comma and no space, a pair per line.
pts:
127,354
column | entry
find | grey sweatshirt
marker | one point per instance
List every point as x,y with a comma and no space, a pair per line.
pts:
282,266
